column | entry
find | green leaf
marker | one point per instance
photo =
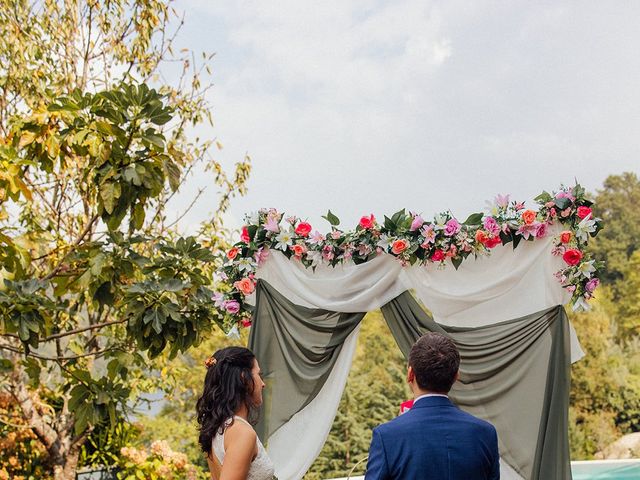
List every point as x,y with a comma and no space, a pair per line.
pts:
544,197
108,195
332,219
398,217
97,263
516,240
137,218
172,171
457,261
389,224
154,139
562,203
131,175
473,219
79,394
104,294
6,366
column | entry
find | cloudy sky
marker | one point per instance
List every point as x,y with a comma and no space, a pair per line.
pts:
369,106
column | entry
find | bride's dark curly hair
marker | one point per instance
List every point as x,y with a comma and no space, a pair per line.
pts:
227,386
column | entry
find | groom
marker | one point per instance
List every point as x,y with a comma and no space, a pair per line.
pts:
435,439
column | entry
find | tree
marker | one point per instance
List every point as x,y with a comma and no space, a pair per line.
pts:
628,305
96,281
605,385
616,205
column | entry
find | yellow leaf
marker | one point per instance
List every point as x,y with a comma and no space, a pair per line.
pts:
26,139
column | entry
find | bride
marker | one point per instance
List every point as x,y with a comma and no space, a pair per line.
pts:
230,401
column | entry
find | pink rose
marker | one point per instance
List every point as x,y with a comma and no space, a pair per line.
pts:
368,222
491,225
572,256
451,227
303,229
437,256
233,253
244,236
245,285
566,212
570,288
232,306
592,285
452,252
399,246
583,212
336,234
327,253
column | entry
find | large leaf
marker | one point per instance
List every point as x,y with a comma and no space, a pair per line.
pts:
332,219
473,219
108,195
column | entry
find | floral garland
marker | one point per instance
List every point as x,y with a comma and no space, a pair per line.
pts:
412,239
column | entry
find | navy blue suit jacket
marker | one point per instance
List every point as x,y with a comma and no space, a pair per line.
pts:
435,440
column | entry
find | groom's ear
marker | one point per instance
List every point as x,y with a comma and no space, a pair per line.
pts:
411,376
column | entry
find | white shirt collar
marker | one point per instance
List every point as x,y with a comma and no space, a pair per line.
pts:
430,395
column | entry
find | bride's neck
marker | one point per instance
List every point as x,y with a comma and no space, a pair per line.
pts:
243,412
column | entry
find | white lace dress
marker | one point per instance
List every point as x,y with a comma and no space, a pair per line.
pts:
261,467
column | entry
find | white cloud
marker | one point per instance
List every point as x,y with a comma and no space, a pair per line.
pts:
370,106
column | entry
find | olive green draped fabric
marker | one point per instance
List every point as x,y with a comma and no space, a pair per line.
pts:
514,374
297,348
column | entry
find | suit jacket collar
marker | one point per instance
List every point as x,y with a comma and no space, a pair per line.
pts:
433,402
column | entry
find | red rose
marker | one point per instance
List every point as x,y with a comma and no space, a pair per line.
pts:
584,212
303,229
572,256
245,322
367,222
399,246
493,242
565,237
244,236
233,253
437,256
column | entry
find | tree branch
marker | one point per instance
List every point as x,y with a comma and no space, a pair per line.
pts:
84,233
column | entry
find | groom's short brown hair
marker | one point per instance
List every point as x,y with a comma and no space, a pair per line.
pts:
435,361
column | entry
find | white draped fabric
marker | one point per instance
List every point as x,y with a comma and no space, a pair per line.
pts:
295,445
505,285
345,288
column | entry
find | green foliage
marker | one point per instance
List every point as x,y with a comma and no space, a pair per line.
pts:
605,391
617,205
629,298
105,443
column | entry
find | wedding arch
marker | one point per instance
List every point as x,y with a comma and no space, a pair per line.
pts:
496,283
